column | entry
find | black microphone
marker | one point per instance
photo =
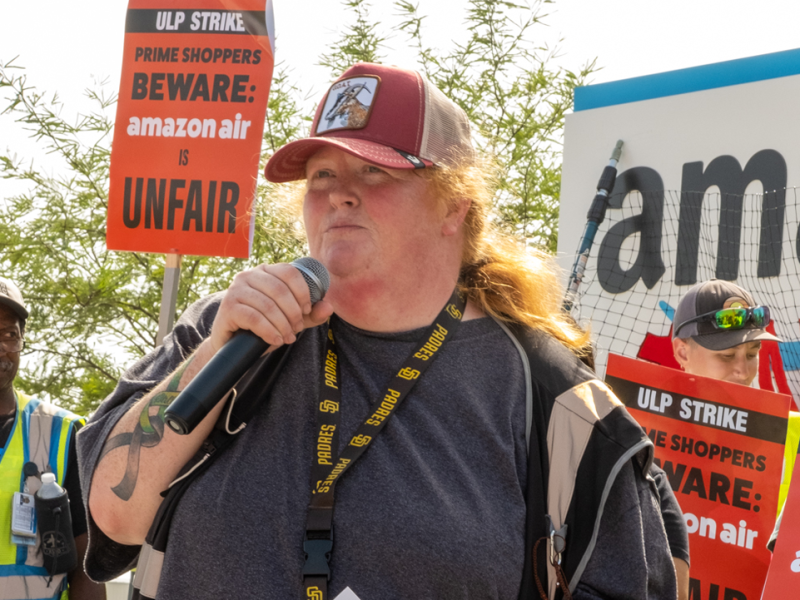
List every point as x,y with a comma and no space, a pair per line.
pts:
232,361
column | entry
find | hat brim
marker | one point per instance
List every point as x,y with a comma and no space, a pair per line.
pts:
722,340
18,309
289,162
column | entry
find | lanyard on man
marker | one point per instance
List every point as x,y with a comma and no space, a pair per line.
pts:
326,470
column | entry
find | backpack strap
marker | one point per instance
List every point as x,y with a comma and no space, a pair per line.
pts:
538,470
569,405
246,397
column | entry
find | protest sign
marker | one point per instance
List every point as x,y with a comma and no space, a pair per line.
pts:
189,124
783,579
721,446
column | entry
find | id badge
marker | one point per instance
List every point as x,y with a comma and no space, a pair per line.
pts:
23,516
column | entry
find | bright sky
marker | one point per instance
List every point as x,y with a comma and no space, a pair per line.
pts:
67,47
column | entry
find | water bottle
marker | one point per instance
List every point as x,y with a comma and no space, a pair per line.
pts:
54,522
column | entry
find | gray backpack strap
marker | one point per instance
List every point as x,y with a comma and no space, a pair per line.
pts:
536,489
526,367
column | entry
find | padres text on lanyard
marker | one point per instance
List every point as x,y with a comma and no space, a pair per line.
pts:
326,470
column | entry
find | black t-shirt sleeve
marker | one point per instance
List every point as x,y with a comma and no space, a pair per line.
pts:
671,512
72,484
631,559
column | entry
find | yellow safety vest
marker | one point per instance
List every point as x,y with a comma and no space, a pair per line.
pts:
41,434
789,456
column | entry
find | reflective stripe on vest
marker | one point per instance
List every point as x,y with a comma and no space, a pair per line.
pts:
41,434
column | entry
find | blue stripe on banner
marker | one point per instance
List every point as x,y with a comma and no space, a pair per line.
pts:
668,310
693,79
55,436
790,355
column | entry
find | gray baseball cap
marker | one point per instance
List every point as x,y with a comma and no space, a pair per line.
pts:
11,297
710,296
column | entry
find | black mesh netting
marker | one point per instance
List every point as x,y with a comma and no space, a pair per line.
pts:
653,246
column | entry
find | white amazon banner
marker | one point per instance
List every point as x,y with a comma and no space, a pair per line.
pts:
705,188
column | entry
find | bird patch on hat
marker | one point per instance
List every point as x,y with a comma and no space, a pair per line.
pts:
348,104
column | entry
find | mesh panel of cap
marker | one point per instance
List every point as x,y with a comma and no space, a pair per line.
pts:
446,137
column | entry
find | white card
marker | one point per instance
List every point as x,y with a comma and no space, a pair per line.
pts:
347,594
23,515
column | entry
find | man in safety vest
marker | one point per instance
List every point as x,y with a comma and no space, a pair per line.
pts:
35,437
718,330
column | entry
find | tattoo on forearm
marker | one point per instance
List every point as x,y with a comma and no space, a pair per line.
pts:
147,433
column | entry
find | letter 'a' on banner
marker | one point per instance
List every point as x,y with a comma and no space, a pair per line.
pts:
721,446
783,580
190,119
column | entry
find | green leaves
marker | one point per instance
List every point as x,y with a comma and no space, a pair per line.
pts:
360,42
516,102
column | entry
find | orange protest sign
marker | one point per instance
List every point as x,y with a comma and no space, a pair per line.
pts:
721,446
783,579
189,124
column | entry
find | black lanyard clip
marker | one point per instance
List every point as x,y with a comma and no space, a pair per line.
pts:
317,547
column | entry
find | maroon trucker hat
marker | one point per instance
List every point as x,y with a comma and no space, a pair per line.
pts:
710,296
385,115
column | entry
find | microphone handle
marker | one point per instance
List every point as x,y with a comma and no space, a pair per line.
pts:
213,381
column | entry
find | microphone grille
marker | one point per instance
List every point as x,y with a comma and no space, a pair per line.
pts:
316,276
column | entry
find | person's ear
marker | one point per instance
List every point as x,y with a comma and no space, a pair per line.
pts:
680,348
455,216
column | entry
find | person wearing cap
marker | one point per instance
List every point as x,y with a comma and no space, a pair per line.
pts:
718,333
436,388
36,437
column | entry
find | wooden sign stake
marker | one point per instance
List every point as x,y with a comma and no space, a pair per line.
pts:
169,296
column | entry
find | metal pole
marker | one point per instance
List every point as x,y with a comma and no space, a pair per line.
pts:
597,212
169,296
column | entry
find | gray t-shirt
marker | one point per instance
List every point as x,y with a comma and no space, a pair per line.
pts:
434,509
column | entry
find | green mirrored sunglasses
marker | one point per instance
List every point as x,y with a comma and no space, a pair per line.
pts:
732,318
